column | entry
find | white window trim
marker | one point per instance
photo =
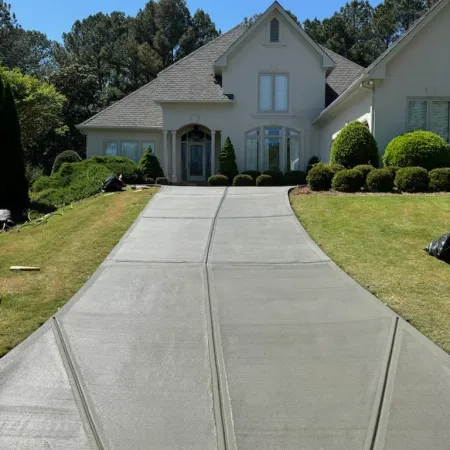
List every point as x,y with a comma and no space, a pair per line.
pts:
272,111
429,100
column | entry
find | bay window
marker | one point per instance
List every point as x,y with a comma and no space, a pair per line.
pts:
429,114
273,93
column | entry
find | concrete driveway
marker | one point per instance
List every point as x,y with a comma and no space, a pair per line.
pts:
216,323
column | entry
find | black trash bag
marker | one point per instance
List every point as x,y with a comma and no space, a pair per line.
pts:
440,248
5,219
112,184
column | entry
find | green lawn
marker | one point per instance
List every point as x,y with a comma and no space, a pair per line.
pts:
68,249
379,241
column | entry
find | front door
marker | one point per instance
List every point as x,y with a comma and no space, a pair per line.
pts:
196,162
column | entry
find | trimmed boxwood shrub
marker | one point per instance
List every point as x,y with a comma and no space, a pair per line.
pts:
312,162
365,169
149,165
218,180
253,173
354,145
120,165
149,180
294,178
440,180
348,180
264,180
243,180
276,174
335,167
412,179
380,180
319,177
417,148
163,181
65,156
393,170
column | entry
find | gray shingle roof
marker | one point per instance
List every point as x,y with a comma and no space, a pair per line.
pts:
192,79
340,78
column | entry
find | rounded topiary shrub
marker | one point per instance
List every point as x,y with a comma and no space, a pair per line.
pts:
417,148
440,180
294,178
319,177
412,179
243,180
365,169
335,167
65,156
311,163
218,180
264,180
149,180
163,181
349,180
253,173
380,180
276,174
354,145
392,169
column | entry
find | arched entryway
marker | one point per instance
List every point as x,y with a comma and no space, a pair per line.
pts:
195,154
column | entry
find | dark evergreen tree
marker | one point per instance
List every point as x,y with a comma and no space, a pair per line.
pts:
228,166
149,164
13,183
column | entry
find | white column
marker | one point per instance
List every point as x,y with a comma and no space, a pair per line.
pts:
174,156
213,152
165,154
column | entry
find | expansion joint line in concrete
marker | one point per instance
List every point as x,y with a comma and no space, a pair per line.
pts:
383,389
222,410
73,375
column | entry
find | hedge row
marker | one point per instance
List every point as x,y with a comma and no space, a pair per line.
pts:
250,178
323,177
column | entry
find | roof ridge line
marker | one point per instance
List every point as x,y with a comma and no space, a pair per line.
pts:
200,48
117,102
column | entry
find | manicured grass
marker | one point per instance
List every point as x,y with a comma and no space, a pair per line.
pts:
379,241
68,249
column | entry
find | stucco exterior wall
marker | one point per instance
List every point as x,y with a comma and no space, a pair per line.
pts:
95,139
241,78
420,69
358,106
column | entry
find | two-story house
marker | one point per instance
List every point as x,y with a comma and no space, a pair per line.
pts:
279,96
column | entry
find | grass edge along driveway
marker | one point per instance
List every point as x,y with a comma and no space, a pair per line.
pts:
68,249
379,241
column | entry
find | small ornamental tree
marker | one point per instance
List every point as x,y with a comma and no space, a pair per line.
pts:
354,145
228,166
13,182
149,164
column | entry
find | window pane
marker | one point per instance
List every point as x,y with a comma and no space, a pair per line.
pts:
281,93
265,93
439,121
417,115
110,148
274,30
251,150
272,131
272,147
293,153
148,144
131,150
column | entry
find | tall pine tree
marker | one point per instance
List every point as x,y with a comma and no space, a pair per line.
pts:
13,183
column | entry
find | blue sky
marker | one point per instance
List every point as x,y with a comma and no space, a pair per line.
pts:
53,17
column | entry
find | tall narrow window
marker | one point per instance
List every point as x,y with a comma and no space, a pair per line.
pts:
274,30
273,93
439,119
293,149
251,150
417,115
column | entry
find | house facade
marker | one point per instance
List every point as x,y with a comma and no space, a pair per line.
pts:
279,96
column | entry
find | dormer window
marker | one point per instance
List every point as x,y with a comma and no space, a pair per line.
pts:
274,30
